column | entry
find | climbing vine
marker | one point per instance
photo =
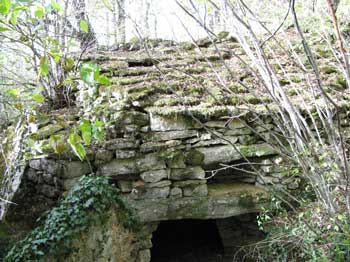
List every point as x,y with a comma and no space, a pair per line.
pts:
87,201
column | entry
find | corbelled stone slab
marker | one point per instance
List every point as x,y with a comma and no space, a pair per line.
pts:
228,153
171,135
161,123
222,201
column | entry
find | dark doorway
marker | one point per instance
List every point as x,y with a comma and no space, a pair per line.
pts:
187,241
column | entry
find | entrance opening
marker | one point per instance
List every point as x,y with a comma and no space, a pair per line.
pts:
187,241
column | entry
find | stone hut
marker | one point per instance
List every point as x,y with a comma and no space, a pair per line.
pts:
191,155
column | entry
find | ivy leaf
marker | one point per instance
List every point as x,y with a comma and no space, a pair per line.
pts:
75,142
84,26
38,98
85,128
5,6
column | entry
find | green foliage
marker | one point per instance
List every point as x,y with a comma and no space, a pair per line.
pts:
86,202
88,131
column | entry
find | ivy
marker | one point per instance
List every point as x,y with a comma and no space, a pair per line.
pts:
88,200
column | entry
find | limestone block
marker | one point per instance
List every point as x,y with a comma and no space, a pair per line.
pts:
136,118
163,123
195,172
171,135
176,161
150,162
72,169
119,167
65,168
121,143
194,157
156,192
122,154
103,156
248,139
155,146
154,175
225,140
201,190
227,153
163,183
176,192
35,164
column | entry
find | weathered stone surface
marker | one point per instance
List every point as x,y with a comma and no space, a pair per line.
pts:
35,164
150,162
195,172
163,183
171,135
122,154
119,167
176,192
199,190
225,140
154,175
61,168
222,201
72,169
161,123
156,192
176,161
121,143
136,118
105,240
237,132
225,154
47,131
103,156
154,146
194,157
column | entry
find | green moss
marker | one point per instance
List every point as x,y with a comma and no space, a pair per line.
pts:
187,46
295,79
328,69
251,99
195,70
238,89
194,157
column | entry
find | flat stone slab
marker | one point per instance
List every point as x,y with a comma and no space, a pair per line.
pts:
229,153
223,200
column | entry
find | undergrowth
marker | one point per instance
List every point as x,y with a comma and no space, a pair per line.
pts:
87,202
